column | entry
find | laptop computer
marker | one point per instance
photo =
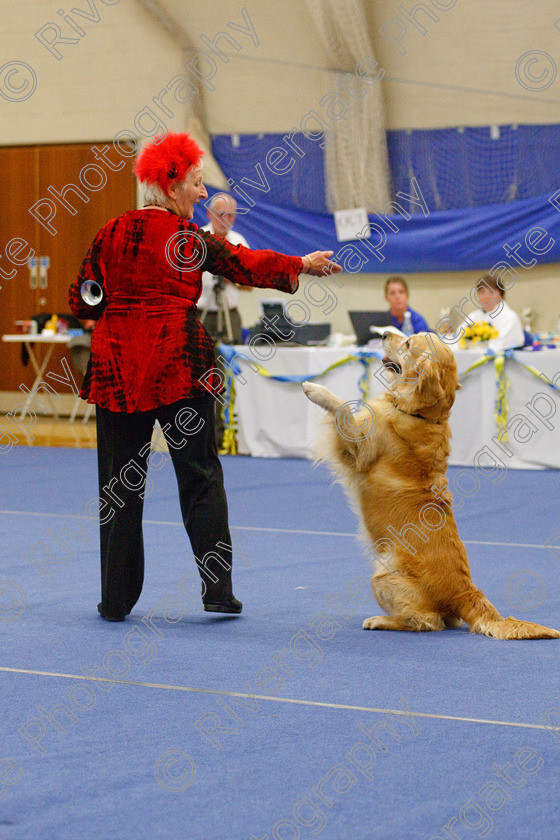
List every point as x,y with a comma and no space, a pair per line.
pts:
362,321
278,324
271,307
312,335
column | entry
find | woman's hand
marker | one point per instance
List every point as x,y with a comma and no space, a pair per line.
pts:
318,264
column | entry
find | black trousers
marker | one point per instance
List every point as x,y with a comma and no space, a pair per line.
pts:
123,451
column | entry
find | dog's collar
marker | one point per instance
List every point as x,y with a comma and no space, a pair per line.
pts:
407,414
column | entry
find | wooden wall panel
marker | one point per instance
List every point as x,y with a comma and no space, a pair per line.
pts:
78,194
18,177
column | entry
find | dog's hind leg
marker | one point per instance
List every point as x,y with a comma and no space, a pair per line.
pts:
407,609
483,617
512,628
453,621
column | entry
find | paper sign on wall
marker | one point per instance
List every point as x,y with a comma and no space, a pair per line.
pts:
350,224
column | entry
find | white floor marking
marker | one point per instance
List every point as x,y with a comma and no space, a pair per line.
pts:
269,530
289,700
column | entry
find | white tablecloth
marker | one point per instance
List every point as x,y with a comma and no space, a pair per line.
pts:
276,420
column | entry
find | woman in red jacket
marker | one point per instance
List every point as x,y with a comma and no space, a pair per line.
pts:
152,359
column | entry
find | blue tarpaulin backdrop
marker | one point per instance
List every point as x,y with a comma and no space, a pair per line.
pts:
485,188
456,167
451,240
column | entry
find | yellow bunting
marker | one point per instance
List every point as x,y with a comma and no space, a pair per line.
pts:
501,407
229,443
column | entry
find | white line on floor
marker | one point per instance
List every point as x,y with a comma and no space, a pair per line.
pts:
270,530
289,700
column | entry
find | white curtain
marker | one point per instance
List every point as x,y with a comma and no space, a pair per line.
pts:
356,159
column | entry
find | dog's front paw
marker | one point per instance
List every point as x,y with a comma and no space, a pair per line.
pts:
373,623
316,393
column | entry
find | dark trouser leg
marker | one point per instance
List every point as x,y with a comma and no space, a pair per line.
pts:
120,438
188,426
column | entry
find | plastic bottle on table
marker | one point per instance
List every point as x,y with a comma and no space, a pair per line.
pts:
407,327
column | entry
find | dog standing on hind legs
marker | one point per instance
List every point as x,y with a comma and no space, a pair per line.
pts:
391,456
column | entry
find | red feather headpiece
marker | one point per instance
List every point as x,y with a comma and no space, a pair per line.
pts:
168,160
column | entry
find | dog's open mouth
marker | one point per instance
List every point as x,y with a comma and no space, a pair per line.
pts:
391,365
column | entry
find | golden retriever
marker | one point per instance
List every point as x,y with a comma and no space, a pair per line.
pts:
391,456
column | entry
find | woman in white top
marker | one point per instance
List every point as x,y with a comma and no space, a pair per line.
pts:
494,310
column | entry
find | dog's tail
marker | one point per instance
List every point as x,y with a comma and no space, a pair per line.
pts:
483,617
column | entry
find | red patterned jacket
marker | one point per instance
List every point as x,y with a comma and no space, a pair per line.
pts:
148,347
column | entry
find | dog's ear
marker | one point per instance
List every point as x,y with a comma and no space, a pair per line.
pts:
434,392
438,381
450,381
419,389
429,388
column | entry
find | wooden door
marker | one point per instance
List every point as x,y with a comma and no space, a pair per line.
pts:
80,192
18,177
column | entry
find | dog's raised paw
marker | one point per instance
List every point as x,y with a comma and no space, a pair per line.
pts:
316,393
308,387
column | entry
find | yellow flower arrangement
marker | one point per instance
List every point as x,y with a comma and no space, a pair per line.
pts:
479,331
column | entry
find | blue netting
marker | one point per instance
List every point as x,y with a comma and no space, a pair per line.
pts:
454,167
303,187
469,168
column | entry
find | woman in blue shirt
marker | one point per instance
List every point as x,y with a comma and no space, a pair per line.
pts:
396,295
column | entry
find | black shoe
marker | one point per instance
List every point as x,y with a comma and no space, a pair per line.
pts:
232,606
109,617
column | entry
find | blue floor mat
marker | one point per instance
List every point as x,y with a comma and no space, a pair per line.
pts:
289,721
